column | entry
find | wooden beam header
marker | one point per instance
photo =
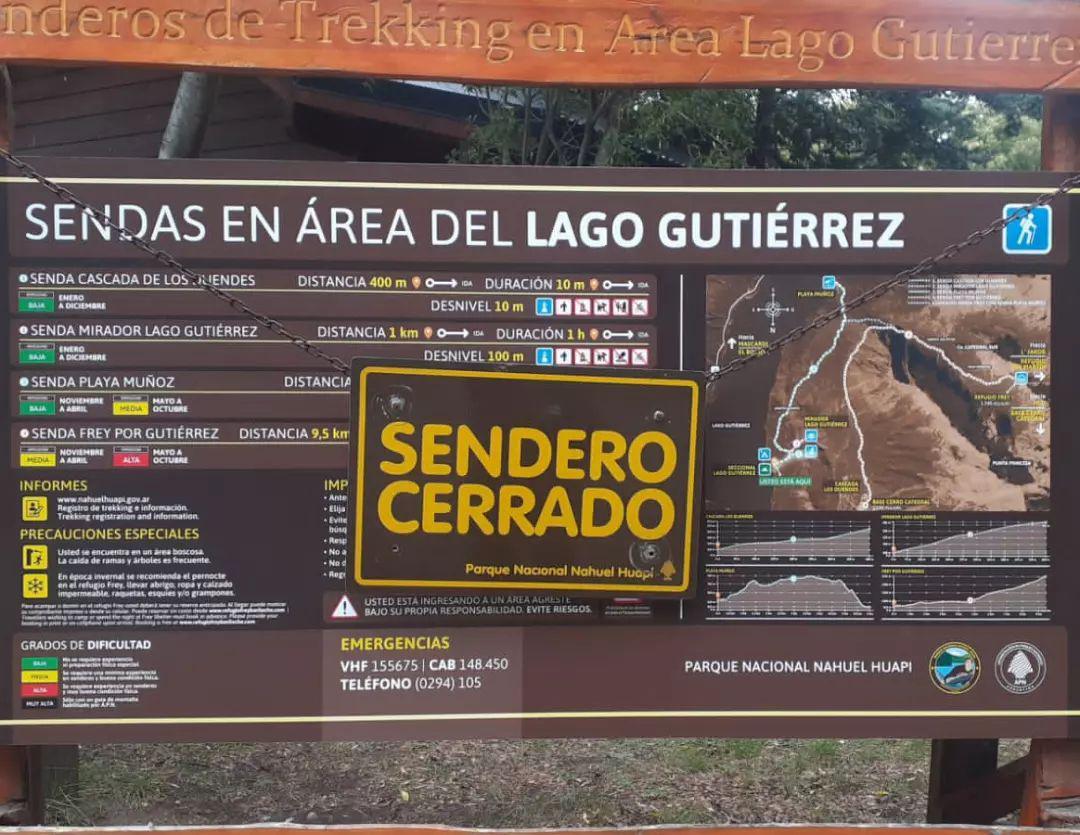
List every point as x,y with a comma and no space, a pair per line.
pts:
1031,45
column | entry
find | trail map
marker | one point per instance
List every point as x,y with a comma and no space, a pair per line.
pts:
932,397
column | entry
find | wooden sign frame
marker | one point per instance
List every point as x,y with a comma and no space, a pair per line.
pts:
987,45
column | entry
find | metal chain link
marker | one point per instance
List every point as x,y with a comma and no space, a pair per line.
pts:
927,265
193,278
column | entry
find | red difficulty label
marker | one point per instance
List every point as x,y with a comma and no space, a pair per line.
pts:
131,459
33,691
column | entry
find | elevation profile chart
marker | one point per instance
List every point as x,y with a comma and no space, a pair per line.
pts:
952,567
788,568
974,592
944,538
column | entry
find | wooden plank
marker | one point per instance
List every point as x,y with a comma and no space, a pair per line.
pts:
282,150
239,133
78,80
973,44
95,127
1052,792
385,113
66,106
135,145
26,73
276,147
105,122
284,829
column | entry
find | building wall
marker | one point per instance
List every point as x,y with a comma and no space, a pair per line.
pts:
121,112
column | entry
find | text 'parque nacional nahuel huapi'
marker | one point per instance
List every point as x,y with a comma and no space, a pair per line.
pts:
490,479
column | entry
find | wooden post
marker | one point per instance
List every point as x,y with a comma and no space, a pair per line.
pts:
1052,787
1061,132
955,766
14,791
7,110
52,771
965,784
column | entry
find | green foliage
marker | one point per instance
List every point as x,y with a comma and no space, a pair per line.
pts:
696,128
1004,139
844,129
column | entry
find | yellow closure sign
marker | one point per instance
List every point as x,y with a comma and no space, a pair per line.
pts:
484,478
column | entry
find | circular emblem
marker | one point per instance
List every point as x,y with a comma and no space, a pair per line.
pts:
954,668
1020,668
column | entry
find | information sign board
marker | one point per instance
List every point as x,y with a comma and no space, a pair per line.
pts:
886,507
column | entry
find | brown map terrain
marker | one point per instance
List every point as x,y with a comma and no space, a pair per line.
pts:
931,438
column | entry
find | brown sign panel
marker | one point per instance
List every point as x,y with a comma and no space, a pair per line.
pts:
469,478
989,44
886,513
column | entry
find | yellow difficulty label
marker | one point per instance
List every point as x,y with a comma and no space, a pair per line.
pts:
37,459
40,676
128,407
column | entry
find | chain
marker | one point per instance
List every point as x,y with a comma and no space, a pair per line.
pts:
927,265
193,278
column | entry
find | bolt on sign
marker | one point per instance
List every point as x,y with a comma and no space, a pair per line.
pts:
481,477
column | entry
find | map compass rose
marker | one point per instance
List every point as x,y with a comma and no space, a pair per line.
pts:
773,310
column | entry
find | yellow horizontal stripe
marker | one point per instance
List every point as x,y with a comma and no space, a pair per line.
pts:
568,714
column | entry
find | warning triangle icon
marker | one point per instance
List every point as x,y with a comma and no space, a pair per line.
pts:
344,610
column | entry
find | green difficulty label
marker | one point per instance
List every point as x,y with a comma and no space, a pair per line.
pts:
37,406
41,664
37,356
37,303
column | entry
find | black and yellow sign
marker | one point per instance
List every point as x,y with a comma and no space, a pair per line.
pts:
482,478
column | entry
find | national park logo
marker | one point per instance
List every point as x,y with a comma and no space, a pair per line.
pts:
1020,668
955,668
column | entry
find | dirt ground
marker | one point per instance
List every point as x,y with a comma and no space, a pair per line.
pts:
505,784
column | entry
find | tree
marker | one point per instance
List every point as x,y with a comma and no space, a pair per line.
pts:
544,126
765,128
1004,139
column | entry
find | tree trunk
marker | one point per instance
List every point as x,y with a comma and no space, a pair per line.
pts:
765,153
194,102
